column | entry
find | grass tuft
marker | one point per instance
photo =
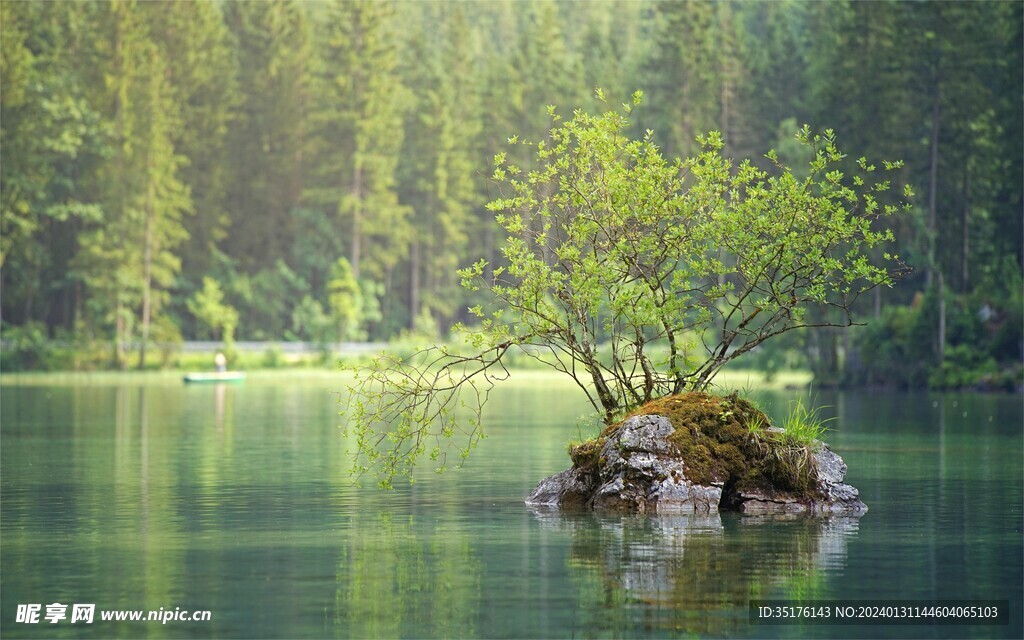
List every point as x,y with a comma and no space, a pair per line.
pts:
804,425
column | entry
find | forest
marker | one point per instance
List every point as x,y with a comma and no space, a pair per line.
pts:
318,171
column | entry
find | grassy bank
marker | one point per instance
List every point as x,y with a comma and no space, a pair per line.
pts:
332,374
94,358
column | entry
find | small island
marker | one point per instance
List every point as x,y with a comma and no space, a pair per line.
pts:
640,278
701,453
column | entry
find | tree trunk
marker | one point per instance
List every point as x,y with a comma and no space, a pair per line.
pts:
357,157
942,317
147,276
604,394
119,332
30,300
357,205
77,314
965,229
414,284
933,184
119,328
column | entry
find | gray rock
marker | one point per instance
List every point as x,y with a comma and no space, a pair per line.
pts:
569,488
645,433
640,470
760,504
679,495
831,468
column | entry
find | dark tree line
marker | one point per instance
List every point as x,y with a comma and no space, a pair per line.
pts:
324,164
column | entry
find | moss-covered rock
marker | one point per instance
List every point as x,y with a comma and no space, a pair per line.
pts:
700,452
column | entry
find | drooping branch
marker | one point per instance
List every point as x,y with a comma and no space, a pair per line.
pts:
398,411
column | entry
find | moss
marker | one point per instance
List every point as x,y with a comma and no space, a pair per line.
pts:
722,440
587,455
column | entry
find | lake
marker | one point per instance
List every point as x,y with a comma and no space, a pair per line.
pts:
141,493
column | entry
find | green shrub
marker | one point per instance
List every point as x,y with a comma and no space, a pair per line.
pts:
273,358
27,348
900,348
963,366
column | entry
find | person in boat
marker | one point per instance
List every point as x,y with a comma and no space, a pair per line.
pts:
221,361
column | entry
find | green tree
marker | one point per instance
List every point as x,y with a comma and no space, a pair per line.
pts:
267,140
775,53
442,134
204,80
358,121
209,308
635,276
51,137
267,299
129,258
295,133
609,47
346,301
928,82
309,322
681,72
547,64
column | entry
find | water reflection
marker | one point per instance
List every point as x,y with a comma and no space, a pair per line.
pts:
399,577
697,573
237,499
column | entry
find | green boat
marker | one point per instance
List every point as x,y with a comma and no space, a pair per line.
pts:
214,376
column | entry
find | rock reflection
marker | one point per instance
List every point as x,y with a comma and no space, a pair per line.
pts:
697,573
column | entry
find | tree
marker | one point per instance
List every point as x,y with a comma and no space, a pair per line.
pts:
775,56
682,73
129,257
635,276
267,139
358,136
923,82
358,119
202,70
546,63
209,308
436,172
50,138
346,301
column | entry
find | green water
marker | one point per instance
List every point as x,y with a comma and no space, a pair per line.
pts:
236,499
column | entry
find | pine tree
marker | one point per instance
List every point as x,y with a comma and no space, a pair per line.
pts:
203,77
128,259
358,118
683,90
439,165
267,139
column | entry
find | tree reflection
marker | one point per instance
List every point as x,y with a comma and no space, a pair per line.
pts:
399,578
696,573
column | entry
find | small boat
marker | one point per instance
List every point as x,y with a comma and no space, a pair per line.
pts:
214,376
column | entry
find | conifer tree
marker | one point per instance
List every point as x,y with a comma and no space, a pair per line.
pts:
129,259
438,168
267,140
203,77
358,122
